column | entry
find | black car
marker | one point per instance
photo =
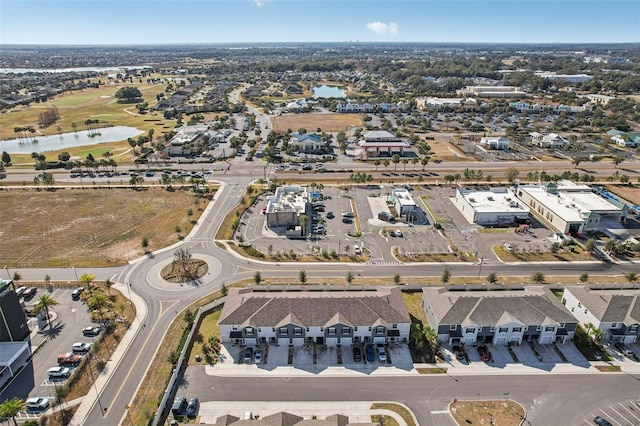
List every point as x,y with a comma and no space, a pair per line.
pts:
29,293
459,352
76,293
357,354
601,422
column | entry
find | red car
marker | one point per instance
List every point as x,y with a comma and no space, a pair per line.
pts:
69,359
485,355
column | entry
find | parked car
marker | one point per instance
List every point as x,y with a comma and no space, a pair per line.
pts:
601,422
371,354
69,359
357,249
395,233
357,354
485,355
624,349
179,406
29,293
20,290
459,352
36,404
330,215
58,372
192,407
319,230
76,293
382,353
307,167
80,347
346,219
91,331
258,357
248,355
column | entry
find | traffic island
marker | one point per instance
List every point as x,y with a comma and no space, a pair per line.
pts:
498,412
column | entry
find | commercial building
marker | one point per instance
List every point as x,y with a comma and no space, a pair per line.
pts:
551,140
251,316
616,312
15,347
498,316
284,208
569,208
309,142
403,202
625,139
380,142
498,206
499,142
492,92
437,103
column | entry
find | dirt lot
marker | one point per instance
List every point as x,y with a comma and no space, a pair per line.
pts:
90,227
628,192
487,412
327,122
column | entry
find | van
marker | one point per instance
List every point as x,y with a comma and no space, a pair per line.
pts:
179,406
76,293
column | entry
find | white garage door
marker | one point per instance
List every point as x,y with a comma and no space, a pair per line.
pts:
382,340
298,341
332,341
283,341
545,340
346,341
469,340
501,341
250,342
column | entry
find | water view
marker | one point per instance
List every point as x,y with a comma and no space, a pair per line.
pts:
68,140
325,91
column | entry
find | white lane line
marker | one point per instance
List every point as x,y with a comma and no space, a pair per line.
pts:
609,418
440,412
630,412
618,413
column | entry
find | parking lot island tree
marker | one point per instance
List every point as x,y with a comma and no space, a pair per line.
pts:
537,278
43,304
11,408
446,275
257,278
87,279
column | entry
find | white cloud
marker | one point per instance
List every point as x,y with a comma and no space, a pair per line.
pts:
381,28
258,2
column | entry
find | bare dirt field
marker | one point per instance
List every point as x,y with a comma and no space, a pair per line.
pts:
311,122
91,227
628,192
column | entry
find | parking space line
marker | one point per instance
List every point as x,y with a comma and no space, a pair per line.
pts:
607,415
616,411
588,422
622,405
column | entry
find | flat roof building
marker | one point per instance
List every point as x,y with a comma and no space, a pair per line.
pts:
498,206
403,202
377,141
285,207
568,207
492,92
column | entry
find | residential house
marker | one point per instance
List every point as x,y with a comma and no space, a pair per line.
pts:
491,314
251,316
616,312
625,139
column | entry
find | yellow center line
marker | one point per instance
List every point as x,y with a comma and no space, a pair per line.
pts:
135,361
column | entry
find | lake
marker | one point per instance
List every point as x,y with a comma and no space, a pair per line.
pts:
68,140
325,91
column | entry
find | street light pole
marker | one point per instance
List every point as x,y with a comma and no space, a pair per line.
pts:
94,383
6,268
480,270
76,274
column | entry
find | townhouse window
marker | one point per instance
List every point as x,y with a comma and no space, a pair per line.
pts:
561,325
614,325
234,328
470,330
453,327
394,325
492,329
369,328
297,331
248,331
380,329
284,331
539,328
355,328
503,329
549,328
346,330
259,329
321,329
517,329
332,331
307,329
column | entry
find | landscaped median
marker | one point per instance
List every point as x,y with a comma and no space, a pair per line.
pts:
497,412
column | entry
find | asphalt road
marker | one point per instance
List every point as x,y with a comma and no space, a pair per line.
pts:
548,399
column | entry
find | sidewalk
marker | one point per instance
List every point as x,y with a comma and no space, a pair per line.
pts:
103,378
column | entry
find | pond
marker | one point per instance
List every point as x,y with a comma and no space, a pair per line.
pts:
325,91
68,140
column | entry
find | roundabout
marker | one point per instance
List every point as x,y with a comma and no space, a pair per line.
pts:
212,269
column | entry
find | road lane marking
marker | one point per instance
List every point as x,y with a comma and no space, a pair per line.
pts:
616,411
607,415
440,412
622,405
135,361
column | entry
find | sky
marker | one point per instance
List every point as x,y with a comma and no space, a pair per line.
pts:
252,21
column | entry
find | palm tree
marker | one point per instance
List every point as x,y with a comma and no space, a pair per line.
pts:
302,276
446,275
396,279
632,277
11,408
492,278
424,161
98,301
304,220
43,304
87,279
257,278
396,160
537,278
376,163
108,284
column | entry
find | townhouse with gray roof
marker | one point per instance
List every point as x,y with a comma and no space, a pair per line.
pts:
287,419
614,311
497,315
252,316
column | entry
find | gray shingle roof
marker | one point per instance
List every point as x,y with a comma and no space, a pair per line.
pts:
314,308
287,419
533,305
610,305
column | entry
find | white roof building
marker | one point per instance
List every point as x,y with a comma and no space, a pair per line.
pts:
499,142
551,140
403,201
569,208
285,207
498,206
492,92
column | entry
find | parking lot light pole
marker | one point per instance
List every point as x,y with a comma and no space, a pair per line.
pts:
76,274
480,270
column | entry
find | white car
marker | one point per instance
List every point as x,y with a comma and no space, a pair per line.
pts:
258,357
80,347
58,372
382,354
36,404
357,249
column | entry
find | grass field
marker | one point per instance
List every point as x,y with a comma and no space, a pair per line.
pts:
311,122
91,227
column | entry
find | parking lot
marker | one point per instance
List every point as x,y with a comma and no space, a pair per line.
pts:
623,413
69,318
